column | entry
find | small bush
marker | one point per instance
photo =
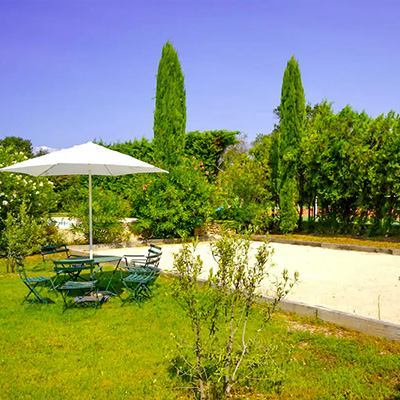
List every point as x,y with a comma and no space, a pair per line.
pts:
23,235
173,205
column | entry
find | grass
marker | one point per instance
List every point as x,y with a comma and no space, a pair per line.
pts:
122,352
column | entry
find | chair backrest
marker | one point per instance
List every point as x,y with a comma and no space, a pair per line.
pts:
20,268
154,249
53,249
153,260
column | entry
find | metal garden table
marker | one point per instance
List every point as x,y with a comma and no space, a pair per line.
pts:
72,268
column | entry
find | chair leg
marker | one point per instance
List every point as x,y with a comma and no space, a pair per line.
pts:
36,293
133,294
52,286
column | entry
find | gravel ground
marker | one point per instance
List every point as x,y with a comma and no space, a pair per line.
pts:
360,283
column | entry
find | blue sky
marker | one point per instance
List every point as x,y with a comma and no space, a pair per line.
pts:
78,70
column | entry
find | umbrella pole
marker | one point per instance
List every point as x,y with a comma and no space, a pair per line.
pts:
90,214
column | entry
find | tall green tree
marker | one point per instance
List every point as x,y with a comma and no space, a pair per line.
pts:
293,117
170,112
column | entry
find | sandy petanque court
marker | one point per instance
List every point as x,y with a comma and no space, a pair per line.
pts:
360,283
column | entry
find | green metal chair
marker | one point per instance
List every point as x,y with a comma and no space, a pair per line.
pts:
35,284
143,261
140,278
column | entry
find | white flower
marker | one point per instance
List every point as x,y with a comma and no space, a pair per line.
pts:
37,192
5,202
40,184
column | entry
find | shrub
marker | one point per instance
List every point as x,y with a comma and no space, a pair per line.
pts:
17,189
173,205
220,349
23,235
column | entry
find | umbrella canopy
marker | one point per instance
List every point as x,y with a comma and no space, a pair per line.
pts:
85,159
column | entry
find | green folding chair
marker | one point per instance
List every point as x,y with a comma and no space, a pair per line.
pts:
35,284
140,278
149,260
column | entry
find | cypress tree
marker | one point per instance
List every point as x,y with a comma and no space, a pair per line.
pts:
170,112
293,117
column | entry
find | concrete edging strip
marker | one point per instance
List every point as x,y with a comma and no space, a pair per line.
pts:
335,246
365,325
369,326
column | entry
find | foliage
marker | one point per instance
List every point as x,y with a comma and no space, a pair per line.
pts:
288,211
202,309
174,204
245,195
23,235
141,149
16,189
349,160
348,166
108,210
292,124
221,350
18,145
170,111
66,188
209,147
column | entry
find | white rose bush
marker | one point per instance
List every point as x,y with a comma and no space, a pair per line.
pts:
22,197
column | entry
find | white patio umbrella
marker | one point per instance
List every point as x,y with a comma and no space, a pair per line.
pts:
85,159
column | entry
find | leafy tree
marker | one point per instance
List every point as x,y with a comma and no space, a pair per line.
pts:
292,123
265,150
337,156
108,211
17,144
209,147
170,111
244,191
382,192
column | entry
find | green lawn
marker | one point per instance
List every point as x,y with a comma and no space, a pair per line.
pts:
122,352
